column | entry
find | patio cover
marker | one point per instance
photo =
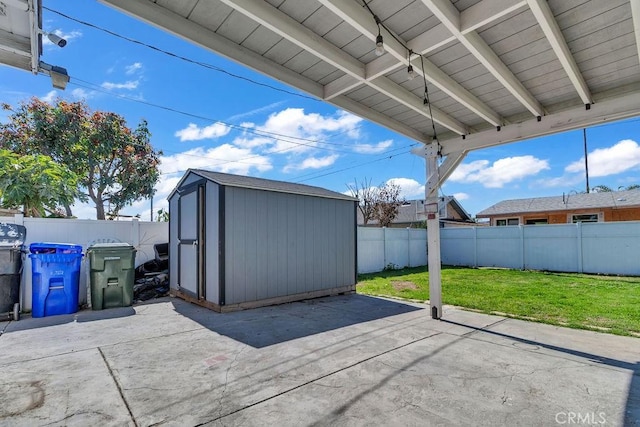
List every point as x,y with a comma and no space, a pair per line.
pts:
497,71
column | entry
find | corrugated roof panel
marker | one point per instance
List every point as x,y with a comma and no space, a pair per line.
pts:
261,40
282,51
208,14
322,72
237,27
361,92
299,10
330,77
322,21
301,62
182,8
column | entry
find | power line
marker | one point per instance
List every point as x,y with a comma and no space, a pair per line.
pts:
183,58
93,86
273,135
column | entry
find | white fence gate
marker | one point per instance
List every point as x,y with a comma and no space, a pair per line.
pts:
142,235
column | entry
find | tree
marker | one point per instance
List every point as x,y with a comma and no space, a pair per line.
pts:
377,203
601,189
605,189
163,215
389,200
367,196
36,183
115,165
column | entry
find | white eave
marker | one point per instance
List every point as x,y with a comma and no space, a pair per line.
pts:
20,41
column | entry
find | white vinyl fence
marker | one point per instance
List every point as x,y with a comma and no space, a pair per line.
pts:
606,248
601,248
380,248
142,235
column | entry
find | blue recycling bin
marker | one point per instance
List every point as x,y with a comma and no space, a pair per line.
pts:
55,271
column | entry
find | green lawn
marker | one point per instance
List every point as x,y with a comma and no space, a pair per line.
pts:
603,303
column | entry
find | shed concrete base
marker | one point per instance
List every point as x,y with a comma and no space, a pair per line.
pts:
343,290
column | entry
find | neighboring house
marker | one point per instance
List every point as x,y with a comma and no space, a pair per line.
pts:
584,207
411,214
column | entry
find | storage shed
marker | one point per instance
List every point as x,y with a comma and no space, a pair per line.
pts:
240,242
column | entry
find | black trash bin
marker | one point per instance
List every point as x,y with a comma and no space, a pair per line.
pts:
12,237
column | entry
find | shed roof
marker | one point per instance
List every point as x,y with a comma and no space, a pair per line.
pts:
613,199
250,182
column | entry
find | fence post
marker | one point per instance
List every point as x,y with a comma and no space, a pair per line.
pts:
522,260
408,247
579,243
18,219
475,246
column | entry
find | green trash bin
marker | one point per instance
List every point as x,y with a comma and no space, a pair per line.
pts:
112,273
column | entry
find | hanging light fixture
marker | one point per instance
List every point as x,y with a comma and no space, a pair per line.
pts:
411,72
379,41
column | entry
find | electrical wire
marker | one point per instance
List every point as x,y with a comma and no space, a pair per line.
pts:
183,58
93,86
273,135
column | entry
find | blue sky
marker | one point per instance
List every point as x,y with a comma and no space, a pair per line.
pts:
189,108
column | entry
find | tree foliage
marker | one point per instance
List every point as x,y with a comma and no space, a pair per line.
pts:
115,165
389,201
605,189
36,183
377,203
367,196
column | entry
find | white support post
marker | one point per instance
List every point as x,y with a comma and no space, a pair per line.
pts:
433,231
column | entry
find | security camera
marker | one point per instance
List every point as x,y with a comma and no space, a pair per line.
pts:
55,39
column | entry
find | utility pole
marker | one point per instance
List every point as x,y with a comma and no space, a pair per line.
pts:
586,161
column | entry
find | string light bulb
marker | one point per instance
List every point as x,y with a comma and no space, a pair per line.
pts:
379,41
411,72
379,45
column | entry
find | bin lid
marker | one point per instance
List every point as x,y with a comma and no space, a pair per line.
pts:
12,234
54,248
114,245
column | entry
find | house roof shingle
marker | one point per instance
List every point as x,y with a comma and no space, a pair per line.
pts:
614,199
240,181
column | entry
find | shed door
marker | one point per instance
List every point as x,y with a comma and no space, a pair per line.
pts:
191,266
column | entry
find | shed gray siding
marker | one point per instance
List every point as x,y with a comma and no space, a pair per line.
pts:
173,241
212,279
279,244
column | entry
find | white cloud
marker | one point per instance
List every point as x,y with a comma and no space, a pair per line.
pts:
129,85
461,196
269,107
50,96
373,148
296,123
79,93
131,69
566,180
67,36
619,158
409,188
501,172
223,158
312,163
194,133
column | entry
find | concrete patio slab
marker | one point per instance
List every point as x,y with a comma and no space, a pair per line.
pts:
347,360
